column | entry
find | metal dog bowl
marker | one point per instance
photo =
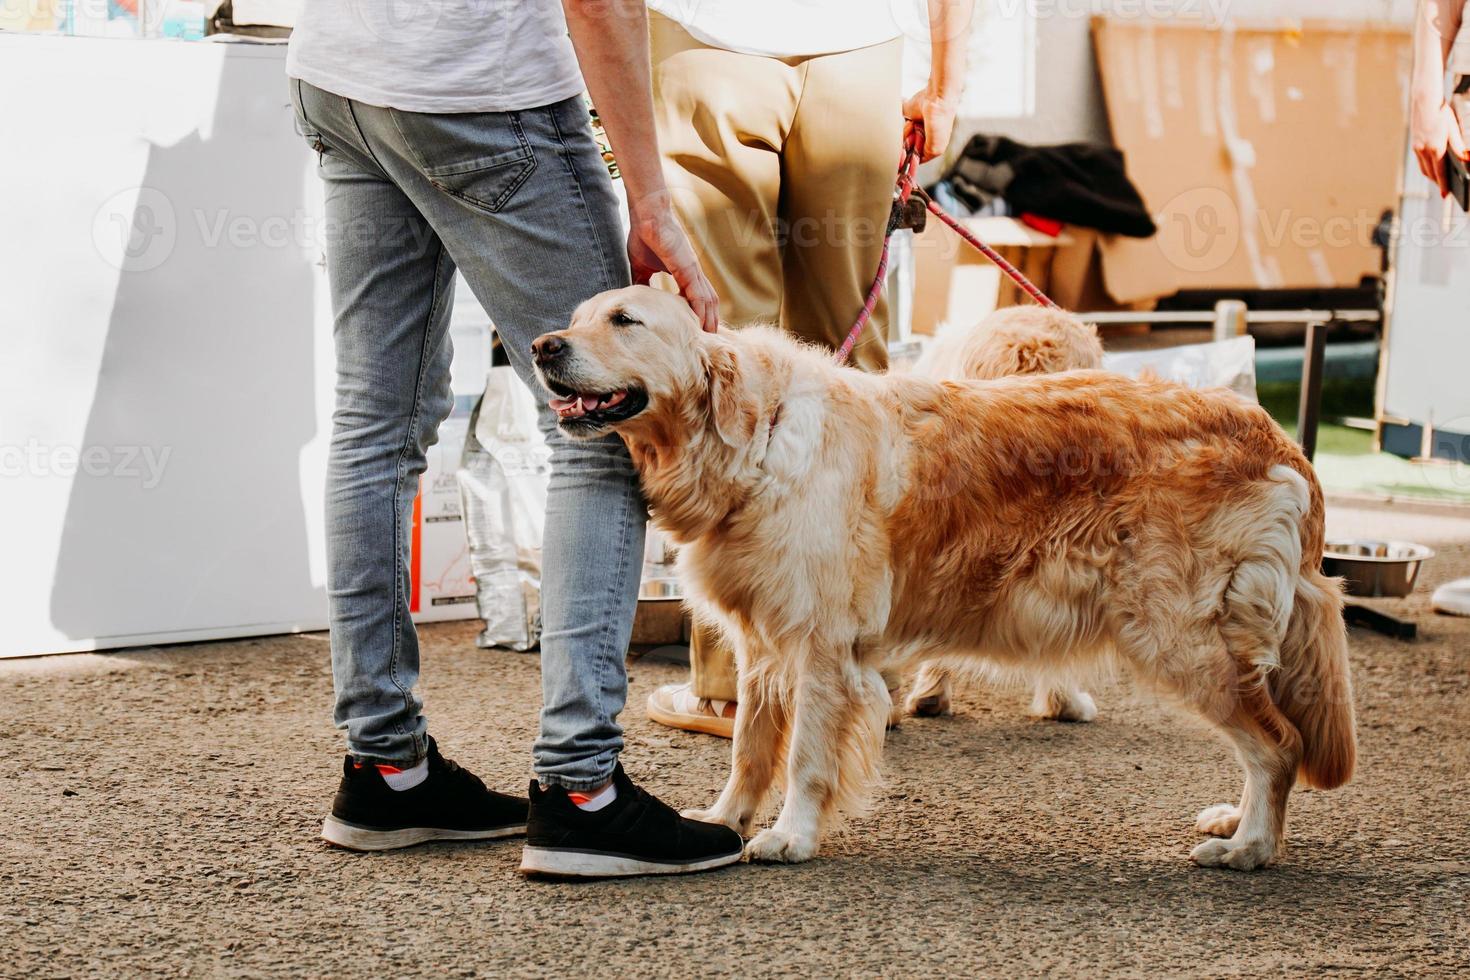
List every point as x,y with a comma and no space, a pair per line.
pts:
1375,568
660,620
660,590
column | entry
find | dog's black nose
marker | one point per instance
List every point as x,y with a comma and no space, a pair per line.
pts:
548,348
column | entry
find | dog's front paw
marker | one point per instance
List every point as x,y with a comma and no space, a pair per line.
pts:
736,822
1242,855
1218,821
777,846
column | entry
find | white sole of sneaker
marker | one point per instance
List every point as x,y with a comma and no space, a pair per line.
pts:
595,864
356,838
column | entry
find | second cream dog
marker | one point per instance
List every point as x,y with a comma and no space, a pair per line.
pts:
1011,341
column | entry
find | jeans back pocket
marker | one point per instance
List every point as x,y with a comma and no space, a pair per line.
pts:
304,127
480,158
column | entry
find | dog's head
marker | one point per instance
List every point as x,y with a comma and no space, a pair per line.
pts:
636,353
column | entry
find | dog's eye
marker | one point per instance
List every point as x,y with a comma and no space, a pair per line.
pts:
621,318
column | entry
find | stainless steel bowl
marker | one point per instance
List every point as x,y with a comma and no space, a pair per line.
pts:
660,590
1375,568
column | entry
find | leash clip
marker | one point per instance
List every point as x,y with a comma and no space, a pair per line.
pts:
910,214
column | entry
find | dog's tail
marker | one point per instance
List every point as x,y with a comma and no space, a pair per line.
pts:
1314,686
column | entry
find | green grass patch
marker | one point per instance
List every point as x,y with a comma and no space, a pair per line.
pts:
1345,459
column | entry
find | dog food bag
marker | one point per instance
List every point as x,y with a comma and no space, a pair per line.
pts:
441,582
503,477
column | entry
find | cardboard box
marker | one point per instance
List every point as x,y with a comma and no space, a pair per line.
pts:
1266,152
955,283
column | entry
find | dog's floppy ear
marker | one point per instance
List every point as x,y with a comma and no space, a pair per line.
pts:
664,283
732,408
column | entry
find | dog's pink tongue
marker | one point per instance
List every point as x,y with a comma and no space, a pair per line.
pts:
590,403
566,407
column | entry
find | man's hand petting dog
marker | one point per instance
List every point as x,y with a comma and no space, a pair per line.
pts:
657,243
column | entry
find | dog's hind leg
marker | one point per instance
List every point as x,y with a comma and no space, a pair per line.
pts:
835,751
756,754
1251,629
1222,677
1270,757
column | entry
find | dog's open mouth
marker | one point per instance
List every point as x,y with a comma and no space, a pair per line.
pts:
595,408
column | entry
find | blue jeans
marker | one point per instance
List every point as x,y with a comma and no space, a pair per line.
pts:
522,204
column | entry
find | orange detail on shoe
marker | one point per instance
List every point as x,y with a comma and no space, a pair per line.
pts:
722,709
387,770
579,798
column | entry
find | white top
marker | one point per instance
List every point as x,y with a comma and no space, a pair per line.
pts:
437,55
786,28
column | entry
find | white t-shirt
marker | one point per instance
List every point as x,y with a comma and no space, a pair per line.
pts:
437,55
787,28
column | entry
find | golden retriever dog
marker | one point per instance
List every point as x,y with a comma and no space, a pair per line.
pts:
834,522
1010,341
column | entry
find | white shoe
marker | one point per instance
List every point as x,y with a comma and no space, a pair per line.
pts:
1453,598
677,706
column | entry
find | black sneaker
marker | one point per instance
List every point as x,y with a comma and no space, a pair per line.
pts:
450,804
635,834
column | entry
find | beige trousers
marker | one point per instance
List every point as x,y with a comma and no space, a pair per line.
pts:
782,172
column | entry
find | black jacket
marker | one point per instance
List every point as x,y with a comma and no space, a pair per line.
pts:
1076,183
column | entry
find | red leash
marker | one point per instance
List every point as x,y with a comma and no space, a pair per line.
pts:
906,188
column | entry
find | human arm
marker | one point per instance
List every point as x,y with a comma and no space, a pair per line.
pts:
1434,130
611,41
936,104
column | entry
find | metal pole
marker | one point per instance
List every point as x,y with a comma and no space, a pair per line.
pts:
1309,409
1230,319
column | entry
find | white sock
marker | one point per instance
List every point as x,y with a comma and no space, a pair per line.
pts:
401,779
592,802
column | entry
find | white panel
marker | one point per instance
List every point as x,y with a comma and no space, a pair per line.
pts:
165,374
1429,329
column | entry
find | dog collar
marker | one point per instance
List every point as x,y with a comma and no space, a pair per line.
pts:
770,433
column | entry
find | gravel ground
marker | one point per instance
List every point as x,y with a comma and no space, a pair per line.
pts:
161,809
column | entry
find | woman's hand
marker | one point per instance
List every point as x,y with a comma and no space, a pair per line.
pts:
1434,132
938,102
657,243
937,115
